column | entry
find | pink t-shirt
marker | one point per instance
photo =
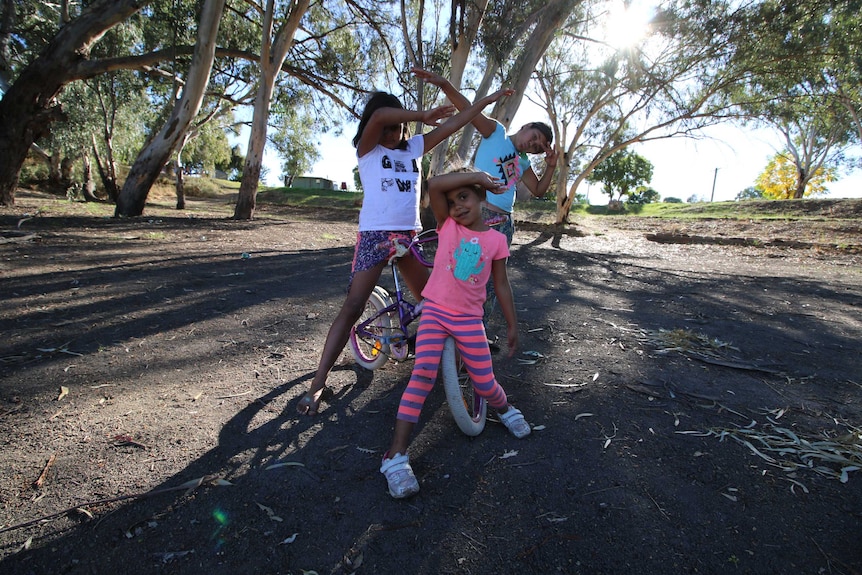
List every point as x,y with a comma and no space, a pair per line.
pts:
462,267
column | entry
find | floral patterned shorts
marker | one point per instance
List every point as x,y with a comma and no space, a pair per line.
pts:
373,248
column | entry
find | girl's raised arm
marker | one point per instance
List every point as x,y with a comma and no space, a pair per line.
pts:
439,185
383,117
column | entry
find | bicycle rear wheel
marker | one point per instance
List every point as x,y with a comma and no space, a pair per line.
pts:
369,344
468,407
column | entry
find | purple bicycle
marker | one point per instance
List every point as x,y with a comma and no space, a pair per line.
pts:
386,329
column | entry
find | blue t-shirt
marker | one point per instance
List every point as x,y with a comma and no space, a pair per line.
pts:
498,156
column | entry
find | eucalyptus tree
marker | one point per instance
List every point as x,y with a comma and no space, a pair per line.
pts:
156,154
296,130
506,46
327,67
108,114
105,118
602,98
279,26
804,80
40,69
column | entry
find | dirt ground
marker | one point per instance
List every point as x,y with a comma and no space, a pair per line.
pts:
694,389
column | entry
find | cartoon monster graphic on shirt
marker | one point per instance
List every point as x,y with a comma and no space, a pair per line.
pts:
468,262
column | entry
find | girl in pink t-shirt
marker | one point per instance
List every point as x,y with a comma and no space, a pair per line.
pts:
468,254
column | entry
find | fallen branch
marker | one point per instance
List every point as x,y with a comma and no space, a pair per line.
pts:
188,486
733,364
20,239
42,476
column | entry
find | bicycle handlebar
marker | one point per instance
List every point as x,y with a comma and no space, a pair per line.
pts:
402,248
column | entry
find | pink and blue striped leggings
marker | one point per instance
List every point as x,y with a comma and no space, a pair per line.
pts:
435,325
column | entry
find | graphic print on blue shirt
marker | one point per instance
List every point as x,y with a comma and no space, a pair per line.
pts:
510,169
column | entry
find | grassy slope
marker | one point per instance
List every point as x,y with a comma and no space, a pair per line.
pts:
223,193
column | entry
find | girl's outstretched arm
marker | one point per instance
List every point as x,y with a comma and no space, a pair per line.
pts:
503,290
385,117
461,119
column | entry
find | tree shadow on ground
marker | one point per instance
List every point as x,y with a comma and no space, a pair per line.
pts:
619,476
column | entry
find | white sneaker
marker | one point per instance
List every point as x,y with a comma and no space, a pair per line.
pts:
399,476
514,421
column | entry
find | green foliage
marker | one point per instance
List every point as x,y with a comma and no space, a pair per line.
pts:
357,181
804,80
621,173
672,200
643,195
207,150
750,193
33,173
234,166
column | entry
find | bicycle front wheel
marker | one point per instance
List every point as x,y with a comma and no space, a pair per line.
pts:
369,338
468,407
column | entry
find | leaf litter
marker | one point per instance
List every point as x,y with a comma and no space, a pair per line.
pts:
787,450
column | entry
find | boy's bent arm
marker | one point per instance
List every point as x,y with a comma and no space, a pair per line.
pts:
507,303
458,121
482,123
538,187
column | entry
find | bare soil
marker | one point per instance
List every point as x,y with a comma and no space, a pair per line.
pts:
695,401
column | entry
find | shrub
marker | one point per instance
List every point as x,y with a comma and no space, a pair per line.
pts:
200,188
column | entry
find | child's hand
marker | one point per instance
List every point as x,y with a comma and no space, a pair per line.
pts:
430,77
512,339
490,183
503,92
433,116
550,157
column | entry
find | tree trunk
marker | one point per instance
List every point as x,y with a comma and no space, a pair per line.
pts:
553,17
105,174
29,106
88,187
179,174
152,159
272,55
66,165
55,178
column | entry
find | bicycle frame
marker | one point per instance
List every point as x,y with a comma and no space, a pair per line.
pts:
405,311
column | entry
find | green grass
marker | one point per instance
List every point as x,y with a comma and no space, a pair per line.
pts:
162,198
302,197
748,210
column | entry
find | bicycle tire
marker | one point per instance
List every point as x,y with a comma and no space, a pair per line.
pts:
372,351
468,408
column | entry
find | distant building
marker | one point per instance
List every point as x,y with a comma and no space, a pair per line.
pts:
311,182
